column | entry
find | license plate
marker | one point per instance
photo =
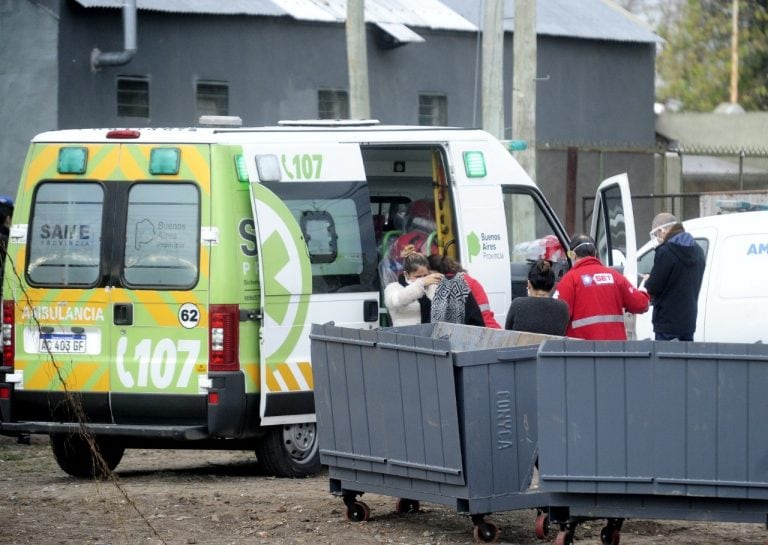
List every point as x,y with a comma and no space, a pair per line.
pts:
62,344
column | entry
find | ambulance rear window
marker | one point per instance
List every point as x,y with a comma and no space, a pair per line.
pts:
162,236
65,234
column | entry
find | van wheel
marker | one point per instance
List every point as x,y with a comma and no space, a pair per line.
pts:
290,451
74,455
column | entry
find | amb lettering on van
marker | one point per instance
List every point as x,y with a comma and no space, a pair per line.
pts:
758,249
61,313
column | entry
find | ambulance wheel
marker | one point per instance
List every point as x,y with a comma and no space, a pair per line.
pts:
290,451
75,457
358,511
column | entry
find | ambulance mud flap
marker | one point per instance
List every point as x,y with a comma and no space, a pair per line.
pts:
226,416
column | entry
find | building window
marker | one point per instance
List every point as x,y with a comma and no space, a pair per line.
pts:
332,104
132,97
212,98
433,110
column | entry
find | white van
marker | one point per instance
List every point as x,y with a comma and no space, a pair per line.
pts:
734,291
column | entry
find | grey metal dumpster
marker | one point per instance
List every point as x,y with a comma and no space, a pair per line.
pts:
438,412
644,429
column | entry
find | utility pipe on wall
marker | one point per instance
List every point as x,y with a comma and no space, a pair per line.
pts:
100,59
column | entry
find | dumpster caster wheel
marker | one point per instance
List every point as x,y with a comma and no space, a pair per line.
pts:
486,532
405,506
358,512
542,526
564,537
610,535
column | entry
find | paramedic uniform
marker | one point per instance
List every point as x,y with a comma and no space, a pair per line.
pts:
596,297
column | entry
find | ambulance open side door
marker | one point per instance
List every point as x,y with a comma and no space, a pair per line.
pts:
301,235
613,229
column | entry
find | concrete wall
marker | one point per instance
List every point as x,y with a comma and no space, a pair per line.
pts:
28,81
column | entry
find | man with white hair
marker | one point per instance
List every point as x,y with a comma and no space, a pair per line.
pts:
675,279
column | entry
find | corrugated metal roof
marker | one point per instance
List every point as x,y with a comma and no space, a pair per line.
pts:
419,13
588,19
218,7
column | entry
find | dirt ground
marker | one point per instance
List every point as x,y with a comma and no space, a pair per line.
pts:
212,497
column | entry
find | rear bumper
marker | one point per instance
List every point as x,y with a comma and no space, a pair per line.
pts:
234,415
173,433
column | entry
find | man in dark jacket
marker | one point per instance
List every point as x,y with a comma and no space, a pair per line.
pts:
675,280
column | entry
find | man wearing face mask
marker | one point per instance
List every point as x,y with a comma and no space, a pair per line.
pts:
597,295
675,279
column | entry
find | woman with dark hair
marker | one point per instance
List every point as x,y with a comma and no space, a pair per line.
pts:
408,299
459,298
539,313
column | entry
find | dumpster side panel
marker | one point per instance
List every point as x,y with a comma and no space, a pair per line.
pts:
757,438
497,393
386,408
661,418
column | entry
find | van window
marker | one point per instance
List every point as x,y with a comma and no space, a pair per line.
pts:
162,240
645,261
532,235
65,234
530,229
611,229
337,224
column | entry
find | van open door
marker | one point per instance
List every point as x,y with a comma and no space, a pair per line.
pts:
317,262
613,228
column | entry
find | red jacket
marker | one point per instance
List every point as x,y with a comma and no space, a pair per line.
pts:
482,300
597,297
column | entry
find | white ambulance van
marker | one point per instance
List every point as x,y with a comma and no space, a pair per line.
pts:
161,283
734,292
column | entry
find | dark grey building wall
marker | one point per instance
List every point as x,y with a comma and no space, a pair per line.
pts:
596,92
28,81
274,68
444,64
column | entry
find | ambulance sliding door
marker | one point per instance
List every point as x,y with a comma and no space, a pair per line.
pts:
317,261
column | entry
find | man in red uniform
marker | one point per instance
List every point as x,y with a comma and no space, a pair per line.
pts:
597,295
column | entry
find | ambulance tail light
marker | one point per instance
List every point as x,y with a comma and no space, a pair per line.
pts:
223,327
9,323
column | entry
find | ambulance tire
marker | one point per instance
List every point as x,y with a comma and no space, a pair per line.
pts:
290,451
74,455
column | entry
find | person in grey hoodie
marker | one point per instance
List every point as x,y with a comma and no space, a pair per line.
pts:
675,279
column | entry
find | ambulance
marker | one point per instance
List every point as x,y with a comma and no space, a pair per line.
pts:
161,283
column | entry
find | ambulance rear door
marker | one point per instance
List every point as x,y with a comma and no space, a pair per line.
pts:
317,261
